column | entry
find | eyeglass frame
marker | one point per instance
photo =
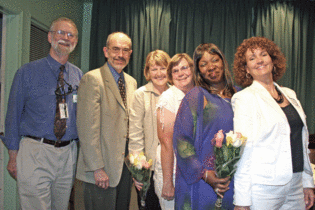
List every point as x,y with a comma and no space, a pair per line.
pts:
183,69
116,50
63,33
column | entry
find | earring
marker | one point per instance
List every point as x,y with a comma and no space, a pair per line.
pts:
274,70
248,76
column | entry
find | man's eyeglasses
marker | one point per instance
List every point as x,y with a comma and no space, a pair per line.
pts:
61,92
63,33
116,50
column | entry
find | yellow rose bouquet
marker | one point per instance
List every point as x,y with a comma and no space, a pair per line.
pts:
227,155
139,168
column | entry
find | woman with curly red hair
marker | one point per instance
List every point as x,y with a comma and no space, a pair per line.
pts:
274,171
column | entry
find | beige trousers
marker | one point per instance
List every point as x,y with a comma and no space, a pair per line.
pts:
45,174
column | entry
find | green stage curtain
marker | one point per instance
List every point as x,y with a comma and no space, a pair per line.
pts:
175,26
290,24
147,22
178,26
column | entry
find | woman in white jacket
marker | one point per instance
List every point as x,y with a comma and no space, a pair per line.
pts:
274,171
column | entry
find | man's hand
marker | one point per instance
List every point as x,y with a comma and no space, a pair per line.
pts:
11,167
101,178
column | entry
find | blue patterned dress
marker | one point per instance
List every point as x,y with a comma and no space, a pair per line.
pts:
194,128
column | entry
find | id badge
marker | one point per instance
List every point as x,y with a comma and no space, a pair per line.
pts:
63,111
75,98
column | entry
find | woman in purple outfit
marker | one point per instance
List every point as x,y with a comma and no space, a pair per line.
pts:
203,112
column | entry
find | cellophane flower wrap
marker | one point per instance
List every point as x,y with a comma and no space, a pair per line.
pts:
139,168
227,155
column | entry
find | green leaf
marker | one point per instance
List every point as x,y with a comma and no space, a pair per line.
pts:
185,149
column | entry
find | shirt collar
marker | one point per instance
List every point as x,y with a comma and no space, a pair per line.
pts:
115,74
150,88
55,65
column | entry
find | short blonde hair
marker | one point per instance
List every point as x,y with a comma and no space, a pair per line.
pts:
156,57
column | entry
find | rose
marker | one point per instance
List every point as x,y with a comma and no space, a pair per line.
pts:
131,159
218,138
236,139
139,165
142,157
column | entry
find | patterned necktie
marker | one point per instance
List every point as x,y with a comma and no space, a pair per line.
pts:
122,91
60,124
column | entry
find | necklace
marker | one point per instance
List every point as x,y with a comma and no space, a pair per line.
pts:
280,98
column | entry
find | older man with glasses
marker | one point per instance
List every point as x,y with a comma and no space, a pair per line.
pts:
103,100
40,126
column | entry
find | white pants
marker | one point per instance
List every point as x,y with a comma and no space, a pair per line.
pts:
45,174
158,181
283,197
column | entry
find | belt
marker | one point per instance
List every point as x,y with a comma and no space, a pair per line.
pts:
57,143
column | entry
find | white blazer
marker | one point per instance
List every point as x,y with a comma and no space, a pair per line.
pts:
266,158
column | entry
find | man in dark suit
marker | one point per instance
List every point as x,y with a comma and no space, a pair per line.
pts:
103,100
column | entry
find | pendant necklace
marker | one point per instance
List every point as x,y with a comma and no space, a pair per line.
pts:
279,99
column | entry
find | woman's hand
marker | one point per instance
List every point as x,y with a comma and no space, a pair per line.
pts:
219,185
168,191
137,184
308,197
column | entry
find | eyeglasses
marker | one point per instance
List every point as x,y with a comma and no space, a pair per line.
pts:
63,33
117,50
184,69
61,92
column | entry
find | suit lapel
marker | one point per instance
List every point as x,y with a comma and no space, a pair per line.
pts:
129,89
265,95
295,103
110,82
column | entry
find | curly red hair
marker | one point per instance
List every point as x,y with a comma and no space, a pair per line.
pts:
252,43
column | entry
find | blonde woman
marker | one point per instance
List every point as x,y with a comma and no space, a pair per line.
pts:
143,129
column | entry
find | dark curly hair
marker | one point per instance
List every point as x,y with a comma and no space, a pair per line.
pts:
200,81
253,43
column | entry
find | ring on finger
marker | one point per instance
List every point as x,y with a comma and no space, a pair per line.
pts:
216,190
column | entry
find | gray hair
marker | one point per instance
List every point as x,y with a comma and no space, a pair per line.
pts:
52,25
114,33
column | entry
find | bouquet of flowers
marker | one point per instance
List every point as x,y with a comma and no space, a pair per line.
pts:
227,155
139,168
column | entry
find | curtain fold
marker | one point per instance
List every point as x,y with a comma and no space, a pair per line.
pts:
175,26
290,25
178,26
225,23
147,23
